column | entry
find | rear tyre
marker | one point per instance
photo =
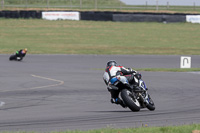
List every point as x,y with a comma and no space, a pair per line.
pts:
12,57
130,102
150,105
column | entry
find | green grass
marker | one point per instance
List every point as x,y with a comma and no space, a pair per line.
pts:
94,37
194,128
170,129
64,4
61,2
111,5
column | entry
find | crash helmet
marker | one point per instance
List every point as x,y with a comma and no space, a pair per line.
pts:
25,49
111,63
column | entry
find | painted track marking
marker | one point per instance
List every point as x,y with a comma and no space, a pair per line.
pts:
2,103
60,82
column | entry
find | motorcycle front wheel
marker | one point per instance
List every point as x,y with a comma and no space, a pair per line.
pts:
150,105
19,58
128,98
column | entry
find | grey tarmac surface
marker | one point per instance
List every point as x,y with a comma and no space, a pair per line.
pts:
66,92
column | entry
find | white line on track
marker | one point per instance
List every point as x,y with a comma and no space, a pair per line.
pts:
194,72
2,103
60,82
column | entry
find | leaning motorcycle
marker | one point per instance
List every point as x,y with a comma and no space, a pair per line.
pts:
14,57
136,96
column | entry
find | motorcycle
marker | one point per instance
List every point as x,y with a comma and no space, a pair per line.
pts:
134,97
14,57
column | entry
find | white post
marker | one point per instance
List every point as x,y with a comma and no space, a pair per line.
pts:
185,62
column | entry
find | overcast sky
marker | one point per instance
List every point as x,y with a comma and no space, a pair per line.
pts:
162,2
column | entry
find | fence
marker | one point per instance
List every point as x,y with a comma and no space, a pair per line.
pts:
91,4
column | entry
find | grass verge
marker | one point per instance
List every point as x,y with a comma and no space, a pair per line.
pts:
194,128
91,37
97,5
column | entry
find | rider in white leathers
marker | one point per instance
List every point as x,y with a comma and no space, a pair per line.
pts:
112,71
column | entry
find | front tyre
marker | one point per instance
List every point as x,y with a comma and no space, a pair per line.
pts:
129,100
150,105
19,58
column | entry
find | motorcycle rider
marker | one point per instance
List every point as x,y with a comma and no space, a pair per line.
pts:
21,53
113,70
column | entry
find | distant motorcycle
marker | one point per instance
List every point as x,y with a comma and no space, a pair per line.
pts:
16,58
134,99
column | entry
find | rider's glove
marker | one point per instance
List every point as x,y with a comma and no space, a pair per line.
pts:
138,75
132,71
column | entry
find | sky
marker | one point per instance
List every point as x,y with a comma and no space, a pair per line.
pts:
163,2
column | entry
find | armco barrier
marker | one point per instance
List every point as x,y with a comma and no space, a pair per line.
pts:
149,18
174,18
105,16
20,14
2,14
9,14
97,16
132,17
137,18
30,14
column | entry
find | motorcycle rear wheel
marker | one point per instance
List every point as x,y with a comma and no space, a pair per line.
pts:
133,104
12,57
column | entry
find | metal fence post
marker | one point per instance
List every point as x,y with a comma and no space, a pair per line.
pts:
80,3
168,5
2,4
194,6
71,3
47,4
156,5
26,4
146,4
95,2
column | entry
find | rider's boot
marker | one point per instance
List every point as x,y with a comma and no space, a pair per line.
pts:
118,101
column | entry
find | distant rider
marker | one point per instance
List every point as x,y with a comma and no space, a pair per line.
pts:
112,71
21,53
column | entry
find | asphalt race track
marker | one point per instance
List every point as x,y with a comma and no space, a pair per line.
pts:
66,92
